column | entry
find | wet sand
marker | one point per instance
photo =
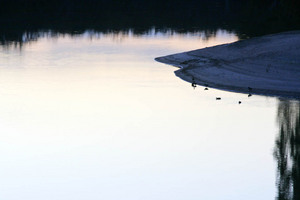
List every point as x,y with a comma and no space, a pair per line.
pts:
267,65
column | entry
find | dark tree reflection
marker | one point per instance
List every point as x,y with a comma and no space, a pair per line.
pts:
287,151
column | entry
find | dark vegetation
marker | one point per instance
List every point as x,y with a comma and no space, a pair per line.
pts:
250,17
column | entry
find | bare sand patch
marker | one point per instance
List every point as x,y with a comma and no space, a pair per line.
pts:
267,65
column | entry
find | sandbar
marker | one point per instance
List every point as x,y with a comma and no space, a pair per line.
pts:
267,65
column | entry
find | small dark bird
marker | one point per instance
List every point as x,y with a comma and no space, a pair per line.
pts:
194,85
206,88
218,98
249,95
268,68
240,102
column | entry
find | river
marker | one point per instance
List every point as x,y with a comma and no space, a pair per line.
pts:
93,116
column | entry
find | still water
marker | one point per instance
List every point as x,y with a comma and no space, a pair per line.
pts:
93,116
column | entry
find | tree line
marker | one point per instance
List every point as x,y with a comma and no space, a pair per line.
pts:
254,17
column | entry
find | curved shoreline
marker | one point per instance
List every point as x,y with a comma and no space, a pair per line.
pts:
267,65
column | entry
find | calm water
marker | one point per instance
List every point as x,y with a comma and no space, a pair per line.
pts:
93,116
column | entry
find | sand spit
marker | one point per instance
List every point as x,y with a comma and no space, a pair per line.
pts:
267,65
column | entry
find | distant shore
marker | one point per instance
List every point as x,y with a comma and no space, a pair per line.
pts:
267,65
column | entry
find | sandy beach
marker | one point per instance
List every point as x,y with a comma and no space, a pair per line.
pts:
267,65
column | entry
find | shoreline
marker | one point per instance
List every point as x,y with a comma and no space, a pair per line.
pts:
267,65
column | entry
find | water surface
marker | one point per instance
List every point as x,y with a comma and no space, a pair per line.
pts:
93,116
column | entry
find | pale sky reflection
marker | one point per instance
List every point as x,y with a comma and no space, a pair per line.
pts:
100,119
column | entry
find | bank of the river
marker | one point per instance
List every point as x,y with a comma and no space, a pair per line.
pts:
267,65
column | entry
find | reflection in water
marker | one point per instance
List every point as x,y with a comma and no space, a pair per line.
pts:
287,150
117,36
208,38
